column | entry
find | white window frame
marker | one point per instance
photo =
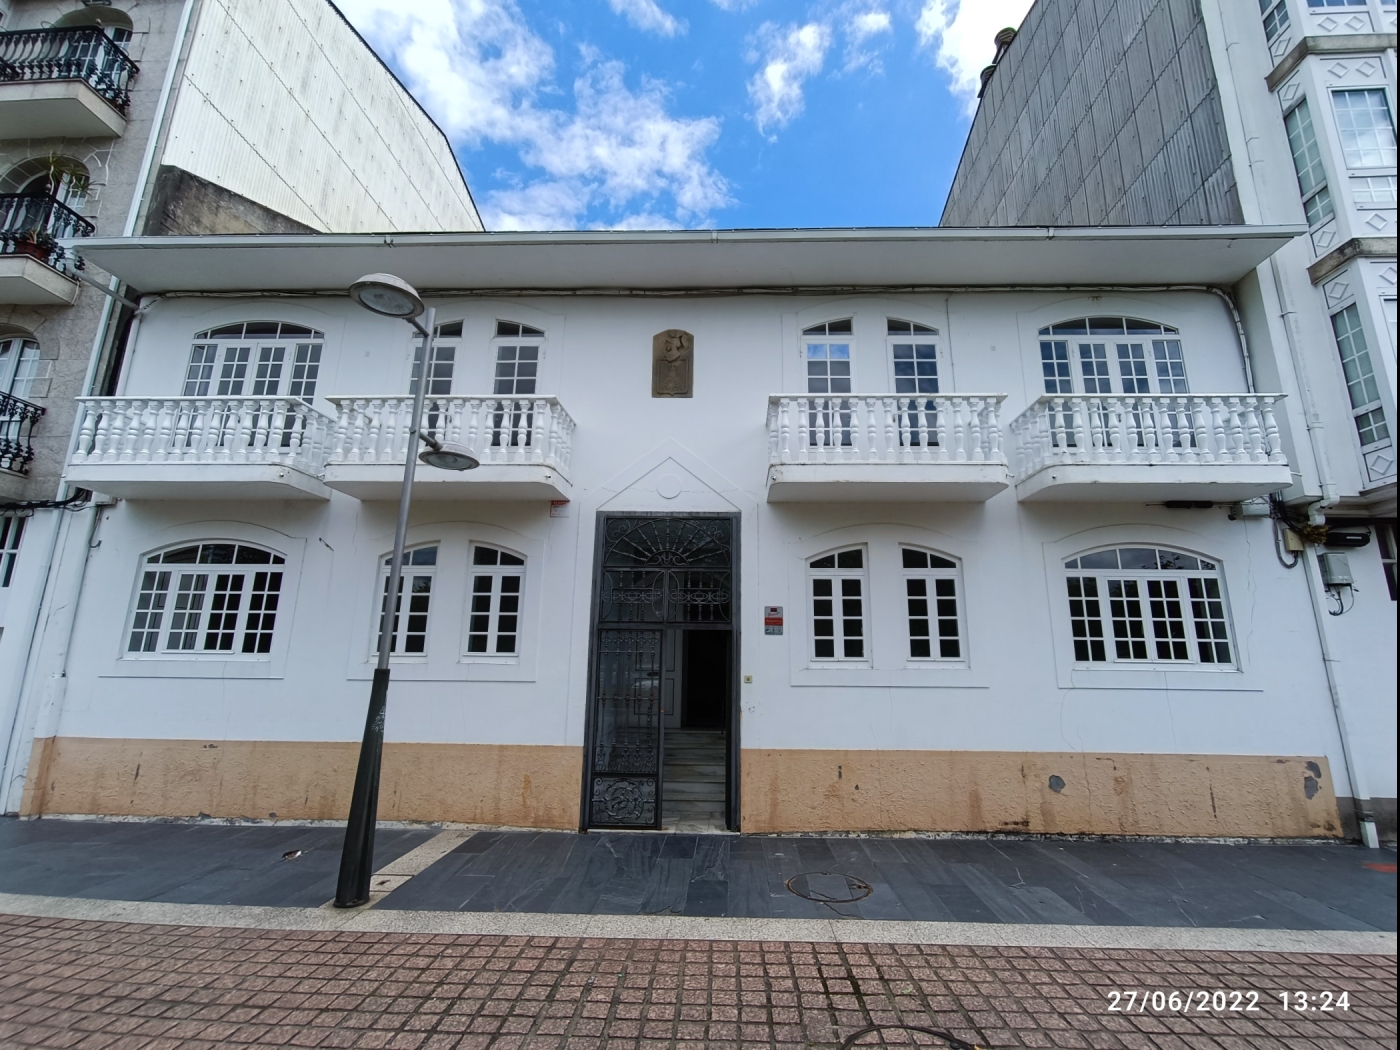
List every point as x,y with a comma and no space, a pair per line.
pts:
496,598
21,365
932,576
1120,355
1133,603
415,568
1274,15
920,335
187,599
820,335
1309,166
442,366
832,580
1374,408
11,536
525,338
1386,154
229,361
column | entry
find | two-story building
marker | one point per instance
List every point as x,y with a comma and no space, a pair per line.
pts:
1138,112
165,117
937,530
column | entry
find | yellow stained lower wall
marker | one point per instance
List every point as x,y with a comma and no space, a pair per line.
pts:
517,785
1244,795
783,790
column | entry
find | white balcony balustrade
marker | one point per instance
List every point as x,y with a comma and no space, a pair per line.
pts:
885,447
523,443
1148,448
200,448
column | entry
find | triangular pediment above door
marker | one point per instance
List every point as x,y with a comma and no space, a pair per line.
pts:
669,487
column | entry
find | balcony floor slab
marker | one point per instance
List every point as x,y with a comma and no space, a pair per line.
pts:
25,281
1152,482
885,482
525,482
197,481
46,109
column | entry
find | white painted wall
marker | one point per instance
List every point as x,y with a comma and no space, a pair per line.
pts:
1018,690
286,105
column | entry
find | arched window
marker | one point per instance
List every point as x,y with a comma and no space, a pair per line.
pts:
827,350
112,21
519,349
839,585
443,363
498,579
410,630
61,179
1112,355
257,359
1146,605
207,599
20,364
935,614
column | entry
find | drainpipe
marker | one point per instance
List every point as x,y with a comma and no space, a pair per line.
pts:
1245,359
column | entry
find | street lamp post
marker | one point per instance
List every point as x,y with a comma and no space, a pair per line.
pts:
388,295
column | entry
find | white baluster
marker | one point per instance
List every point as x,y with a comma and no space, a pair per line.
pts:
1271,435
1238,439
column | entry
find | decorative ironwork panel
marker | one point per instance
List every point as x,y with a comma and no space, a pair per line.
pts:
632,596
698,596
665,542
627,737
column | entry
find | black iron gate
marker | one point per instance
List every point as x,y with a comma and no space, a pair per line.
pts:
653,574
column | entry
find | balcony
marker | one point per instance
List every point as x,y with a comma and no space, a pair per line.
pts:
885,448
63,83
1149,448
17,419
35,270
523,443
200,448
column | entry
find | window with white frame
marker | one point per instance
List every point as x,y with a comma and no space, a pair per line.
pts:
1373,191
839,587
931,594
1365,126
1362,388
207,599
1143,357
20,366
1336,3
11,533
493,625
519,349
827,349
409,635
1275,15
443,363
914,356
1307,164
1385,541
255,359
1147,605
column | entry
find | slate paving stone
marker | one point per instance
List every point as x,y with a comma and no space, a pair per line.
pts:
1304,886
68,983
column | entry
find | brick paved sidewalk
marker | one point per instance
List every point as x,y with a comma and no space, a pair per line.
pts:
116,986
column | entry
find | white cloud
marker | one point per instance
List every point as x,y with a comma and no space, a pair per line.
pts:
485,76
733,5
648,16
862,27
789,56
961,33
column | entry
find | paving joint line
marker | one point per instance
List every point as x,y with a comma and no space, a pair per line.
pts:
684,927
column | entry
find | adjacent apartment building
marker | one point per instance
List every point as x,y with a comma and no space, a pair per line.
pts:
772,531
1185,112
158,117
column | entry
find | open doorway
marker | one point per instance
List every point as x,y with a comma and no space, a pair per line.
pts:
695,755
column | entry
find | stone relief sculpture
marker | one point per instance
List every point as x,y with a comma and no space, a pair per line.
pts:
672,353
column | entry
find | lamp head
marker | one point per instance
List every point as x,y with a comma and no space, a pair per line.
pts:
448,455
388,295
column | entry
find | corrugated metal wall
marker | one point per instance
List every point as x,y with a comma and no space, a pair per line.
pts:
1102,113
282,103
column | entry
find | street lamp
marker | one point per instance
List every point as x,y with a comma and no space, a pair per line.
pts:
389,296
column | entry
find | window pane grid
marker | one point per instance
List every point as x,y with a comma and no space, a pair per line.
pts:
200,372
207,610
1093,367
517,369
306,370
409,633
440,370
1054,366
915,368
1275,14
234,371
1362,388
838,606
828,368
1364,124
1132,368
11,532
493,626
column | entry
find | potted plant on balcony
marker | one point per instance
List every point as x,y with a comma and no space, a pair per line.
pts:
36,243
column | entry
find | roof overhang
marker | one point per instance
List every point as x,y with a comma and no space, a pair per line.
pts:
695,261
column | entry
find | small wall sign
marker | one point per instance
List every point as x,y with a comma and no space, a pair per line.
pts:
558,508
772,619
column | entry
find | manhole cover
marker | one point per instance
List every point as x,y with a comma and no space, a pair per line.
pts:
827,887
905,1035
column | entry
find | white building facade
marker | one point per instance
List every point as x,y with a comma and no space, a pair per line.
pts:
943,531
1156,112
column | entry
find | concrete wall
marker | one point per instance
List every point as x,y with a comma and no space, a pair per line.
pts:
184,205
1140,749
284,104
1104,112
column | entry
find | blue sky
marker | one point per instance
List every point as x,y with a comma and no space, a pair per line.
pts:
646,114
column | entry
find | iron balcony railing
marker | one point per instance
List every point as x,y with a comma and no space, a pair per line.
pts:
17,419
85,53
34,226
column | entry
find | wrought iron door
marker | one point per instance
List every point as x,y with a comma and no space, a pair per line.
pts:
654,574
